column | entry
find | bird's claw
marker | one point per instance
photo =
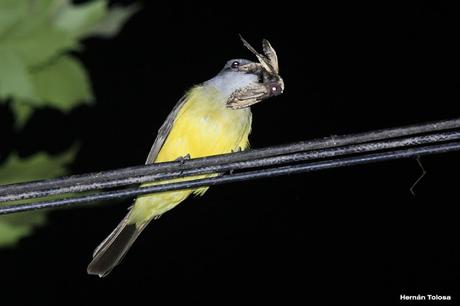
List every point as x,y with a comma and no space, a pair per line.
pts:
182,159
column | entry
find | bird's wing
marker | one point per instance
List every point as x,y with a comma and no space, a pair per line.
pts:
164,130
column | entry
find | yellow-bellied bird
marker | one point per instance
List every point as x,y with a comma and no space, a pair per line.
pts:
212,118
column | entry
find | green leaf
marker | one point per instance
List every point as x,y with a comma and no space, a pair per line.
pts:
112,23
62,84
78,19
11,11
16,226
22,112
35,36
15,169
39,45
15,80
35,167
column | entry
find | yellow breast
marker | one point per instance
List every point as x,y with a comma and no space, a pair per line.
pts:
204,126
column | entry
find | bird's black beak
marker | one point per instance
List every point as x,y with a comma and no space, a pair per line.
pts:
253,68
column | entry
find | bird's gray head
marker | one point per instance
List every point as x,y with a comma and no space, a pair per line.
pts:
237,65
234,76
243,83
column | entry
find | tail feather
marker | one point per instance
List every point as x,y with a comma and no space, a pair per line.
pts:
112,250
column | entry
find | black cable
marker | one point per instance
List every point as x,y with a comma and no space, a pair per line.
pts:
228,178
18,194
323,143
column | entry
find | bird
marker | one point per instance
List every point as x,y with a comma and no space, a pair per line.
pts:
211,118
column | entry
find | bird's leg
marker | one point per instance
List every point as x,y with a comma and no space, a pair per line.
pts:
239,149
182,159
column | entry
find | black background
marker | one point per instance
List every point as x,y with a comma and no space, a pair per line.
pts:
346,236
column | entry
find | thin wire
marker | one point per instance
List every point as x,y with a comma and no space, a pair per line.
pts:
228,178
322,143
233,166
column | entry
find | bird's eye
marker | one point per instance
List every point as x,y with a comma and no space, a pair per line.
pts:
235,64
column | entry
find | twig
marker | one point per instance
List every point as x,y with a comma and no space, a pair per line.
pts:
419,162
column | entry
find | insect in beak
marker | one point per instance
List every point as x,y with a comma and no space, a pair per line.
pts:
271,83
254,68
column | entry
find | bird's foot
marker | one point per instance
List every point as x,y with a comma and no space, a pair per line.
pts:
182,159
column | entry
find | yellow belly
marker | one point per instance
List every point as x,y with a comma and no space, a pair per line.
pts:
203,127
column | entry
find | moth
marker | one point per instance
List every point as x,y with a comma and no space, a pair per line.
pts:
271,83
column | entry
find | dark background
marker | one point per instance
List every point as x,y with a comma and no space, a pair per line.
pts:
346,236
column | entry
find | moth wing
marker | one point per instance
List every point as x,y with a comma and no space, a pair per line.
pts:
271,54
265,62
247,96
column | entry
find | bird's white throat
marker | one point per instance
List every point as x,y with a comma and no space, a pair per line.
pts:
227,82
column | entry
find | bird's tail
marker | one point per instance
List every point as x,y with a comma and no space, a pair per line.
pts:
112,250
